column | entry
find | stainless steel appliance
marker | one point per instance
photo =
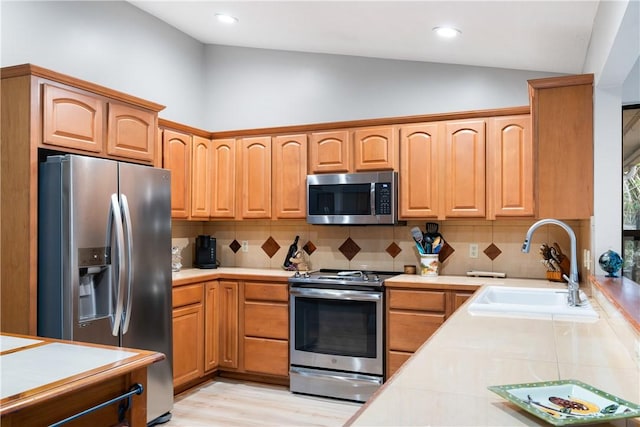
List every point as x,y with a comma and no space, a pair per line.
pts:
337,333
205,252
356,198
104,261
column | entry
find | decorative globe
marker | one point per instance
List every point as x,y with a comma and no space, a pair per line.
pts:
610,262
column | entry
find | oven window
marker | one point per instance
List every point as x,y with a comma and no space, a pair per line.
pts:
345,328
341,199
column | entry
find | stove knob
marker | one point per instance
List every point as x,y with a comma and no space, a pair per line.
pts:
297,275
365,277
376,277
306,275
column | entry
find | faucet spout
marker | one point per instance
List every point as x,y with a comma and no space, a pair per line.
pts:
573,269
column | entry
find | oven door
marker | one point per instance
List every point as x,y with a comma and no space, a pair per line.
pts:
337,329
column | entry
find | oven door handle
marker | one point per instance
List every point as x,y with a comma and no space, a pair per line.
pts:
336,294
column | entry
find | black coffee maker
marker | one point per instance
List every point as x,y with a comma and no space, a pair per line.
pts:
205,252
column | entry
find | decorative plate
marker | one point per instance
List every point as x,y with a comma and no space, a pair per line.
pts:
567,402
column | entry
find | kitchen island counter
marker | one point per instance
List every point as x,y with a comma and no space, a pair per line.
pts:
445,382
45,380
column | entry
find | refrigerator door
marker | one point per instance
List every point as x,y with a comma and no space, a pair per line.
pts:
145,197
78,259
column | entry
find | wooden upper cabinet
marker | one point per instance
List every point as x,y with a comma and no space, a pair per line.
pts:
510,167
329,152
375,148
419,170
223,171
131,132
254,177
72,119
562,117
289,165
177,158
464,173
200,177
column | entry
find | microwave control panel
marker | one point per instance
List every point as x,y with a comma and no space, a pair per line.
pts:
383,198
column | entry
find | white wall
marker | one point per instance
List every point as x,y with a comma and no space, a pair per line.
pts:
252,88
613,57
113,44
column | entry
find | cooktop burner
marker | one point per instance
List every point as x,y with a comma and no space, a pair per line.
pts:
326,278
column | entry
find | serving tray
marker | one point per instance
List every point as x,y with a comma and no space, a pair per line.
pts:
567,402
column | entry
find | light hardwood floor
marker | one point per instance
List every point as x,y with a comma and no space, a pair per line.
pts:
227,402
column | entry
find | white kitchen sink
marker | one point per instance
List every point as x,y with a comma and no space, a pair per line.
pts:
536,302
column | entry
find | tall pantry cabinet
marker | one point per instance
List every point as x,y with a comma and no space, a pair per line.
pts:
46,112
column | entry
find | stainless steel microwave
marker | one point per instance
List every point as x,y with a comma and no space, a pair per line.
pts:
353,198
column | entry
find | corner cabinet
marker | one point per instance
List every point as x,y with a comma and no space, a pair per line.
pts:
413,315
562,112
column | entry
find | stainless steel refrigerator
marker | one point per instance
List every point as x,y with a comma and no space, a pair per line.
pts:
104,261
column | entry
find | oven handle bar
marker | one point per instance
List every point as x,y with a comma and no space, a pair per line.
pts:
336,294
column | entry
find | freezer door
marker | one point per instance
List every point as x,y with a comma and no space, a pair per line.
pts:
145,195
78,262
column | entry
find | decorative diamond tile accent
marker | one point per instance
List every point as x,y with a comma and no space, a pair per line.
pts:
393,249
270,247
492,251
349,249
445,252
309,248
235,246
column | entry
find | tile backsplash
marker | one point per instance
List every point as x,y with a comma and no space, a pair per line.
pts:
387,248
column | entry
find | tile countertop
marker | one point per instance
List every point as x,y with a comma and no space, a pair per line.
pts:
446,380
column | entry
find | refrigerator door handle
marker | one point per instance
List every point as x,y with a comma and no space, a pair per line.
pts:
117,219
129,249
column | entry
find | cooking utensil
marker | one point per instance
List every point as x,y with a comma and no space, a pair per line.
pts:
432,227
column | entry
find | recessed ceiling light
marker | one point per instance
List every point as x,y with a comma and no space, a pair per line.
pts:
227,19
447,32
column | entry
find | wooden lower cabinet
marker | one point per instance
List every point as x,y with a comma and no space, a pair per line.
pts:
211,326
188,334
228,303
413,315
266,328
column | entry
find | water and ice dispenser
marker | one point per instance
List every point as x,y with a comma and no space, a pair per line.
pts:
95,293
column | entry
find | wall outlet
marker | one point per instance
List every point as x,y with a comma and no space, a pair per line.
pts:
245,246
586,259
473,250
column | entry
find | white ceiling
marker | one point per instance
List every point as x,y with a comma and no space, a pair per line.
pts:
550,36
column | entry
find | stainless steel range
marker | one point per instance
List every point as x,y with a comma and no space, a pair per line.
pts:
337,333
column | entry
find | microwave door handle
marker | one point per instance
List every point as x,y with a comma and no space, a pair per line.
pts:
119,284
126,214
373,198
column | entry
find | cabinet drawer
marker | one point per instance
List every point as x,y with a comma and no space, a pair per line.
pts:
266,291
185,295
407,331
417,300
266,356
268,320
395,359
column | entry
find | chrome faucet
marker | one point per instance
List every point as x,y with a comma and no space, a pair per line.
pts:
573,284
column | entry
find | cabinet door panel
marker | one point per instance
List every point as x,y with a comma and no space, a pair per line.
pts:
187,344
177,158
255,177
417,300
289,176
200,177
419,171
131,133
187,295
266,356
267,320
375,148
223,165
408,331
395,359
465,169
73,120
211,326
329,152
228,292
510,160
266,291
